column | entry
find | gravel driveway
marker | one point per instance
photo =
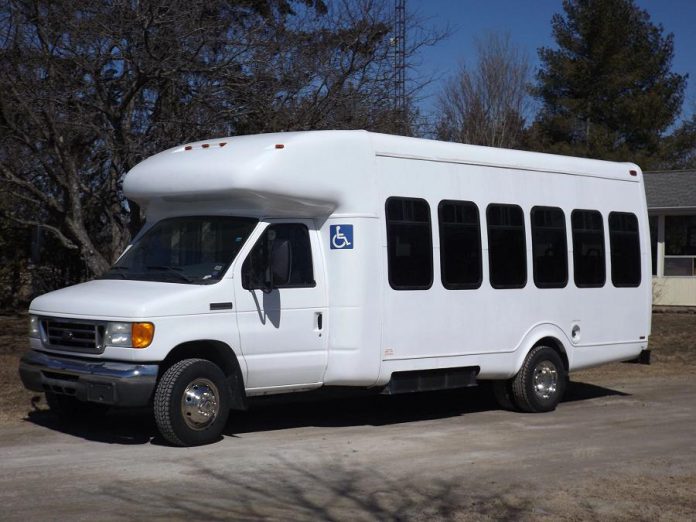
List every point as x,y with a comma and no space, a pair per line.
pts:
620,447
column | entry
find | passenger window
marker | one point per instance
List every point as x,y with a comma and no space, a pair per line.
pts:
294,237
624,244
460,245
588,248
507,249
549,247
409,244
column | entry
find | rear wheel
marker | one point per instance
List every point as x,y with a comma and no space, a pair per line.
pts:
541,382
71,410
192,403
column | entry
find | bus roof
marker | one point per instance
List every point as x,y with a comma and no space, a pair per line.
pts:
319,171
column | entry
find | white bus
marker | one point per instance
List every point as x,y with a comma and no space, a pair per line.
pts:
288,262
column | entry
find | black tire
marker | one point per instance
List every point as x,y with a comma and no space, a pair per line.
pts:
502,391
541,382
71,410
200,419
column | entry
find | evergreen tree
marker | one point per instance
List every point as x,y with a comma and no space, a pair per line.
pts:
607,91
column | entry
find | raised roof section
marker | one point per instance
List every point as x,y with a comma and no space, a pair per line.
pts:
315,172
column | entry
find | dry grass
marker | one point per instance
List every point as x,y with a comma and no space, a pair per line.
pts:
673,342
13,342
673,338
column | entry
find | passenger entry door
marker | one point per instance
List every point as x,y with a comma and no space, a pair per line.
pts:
282,330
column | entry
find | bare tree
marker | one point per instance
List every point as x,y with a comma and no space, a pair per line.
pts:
88,89
487,105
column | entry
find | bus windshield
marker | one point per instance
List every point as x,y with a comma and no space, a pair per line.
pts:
187,250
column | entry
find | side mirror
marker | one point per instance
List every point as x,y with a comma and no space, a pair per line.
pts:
273,263
281,260
268,261
278,262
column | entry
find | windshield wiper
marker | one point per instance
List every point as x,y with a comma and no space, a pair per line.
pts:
112,272
171,269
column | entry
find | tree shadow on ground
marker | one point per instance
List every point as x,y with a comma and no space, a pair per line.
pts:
320,409
332,491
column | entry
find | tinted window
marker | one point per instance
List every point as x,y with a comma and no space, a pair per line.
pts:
588,248
549,247
624,243
507,251
460,245
409,244
294,237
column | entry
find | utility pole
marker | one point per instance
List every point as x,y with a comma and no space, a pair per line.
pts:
400,65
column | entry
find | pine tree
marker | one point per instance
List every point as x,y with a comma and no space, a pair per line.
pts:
607,91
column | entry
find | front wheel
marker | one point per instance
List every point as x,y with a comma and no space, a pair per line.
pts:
502,391
192,403
541,382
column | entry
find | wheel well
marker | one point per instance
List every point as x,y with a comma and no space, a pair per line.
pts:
556,345
218,353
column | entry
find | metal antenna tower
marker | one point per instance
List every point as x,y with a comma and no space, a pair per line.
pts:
400,63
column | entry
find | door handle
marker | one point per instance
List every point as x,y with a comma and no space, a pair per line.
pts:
320,320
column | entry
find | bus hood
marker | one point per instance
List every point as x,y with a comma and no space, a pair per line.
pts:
123,299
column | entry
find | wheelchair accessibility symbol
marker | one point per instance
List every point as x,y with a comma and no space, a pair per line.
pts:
341,237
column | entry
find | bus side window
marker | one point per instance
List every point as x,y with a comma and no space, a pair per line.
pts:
460,245
549,247
588,248
624,244
409,244
507,248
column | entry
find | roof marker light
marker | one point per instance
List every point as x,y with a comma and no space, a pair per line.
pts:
205,145
223,143
188,147
633,172
280,146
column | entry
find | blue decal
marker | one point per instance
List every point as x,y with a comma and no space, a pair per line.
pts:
341,237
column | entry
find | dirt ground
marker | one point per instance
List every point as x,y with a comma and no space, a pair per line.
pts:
620,447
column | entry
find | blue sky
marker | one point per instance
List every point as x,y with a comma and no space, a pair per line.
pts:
529,24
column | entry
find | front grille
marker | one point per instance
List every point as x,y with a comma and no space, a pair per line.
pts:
73,335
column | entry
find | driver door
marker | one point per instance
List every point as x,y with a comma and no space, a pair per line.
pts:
282,329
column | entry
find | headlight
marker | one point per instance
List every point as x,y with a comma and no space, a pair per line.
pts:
34,327
129,335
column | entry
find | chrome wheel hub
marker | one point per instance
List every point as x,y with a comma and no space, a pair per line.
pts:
199,404
545,380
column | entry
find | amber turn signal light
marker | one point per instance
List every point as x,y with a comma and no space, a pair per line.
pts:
142,334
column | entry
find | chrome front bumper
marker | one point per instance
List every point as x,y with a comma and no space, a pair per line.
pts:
105,382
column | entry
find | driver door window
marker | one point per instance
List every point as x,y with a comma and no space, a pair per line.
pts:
300,273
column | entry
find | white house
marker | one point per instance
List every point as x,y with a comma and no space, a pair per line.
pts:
671,199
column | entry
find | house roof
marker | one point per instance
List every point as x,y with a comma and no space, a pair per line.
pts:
670,188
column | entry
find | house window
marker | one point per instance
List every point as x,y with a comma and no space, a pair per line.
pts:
680,245
653,243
